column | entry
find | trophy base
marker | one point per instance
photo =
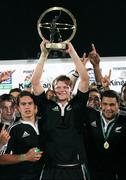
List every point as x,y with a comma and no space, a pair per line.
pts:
56,46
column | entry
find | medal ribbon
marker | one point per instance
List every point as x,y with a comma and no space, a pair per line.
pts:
109,127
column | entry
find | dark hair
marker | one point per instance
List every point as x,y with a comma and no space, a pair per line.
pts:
111,94
7,97
25,93
124,85
94,90
15,90
64,78
91,86
49,90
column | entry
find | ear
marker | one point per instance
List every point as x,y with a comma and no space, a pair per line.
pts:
17,107
100,104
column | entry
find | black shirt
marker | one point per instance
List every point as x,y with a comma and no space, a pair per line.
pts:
24,135
63,134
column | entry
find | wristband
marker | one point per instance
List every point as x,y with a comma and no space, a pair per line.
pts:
37,150
76,71
21,156
75,75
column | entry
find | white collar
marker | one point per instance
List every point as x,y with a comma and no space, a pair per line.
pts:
62,107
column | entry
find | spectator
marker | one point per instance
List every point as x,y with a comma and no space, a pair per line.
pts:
7,110
20,151
123,99
94,99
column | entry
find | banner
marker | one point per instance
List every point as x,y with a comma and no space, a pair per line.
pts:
55,67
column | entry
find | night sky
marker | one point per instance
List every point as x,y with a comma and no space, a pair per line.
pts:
102,23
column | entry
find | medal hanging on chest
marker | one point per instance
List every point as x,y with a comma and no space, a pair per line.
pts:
106,145
106,133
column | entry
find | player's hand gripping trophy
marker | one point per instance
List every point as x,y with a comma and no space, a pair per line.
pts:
58,26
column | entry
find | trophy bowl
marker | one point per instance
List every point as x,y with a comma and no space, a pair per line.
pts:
58,26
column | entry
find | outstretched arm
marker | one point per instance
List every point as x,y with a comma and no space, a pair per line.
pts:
36,76
81,69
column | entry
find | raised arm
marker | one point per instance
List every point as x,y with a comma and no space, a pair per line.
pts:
36,76
74,76
106,81
81,69
95,61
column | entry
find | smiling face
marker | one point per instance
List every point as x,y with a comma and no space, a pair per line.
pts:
62,91
27,108
110,107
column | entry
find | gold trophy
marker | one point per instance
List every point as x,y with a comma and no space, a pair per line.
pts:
52,27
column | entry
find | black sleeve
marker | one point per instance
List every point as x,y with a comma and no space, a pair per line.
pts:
11,143
81,98
41,102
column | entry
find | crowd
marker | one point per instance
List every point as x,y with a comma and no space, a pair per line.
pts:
55,135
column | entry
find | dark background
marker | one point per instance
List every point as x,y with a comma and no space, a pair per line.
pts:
100,22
